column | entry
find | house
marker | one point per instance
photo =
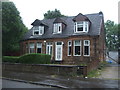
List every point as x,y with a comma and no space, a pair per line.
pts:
69,40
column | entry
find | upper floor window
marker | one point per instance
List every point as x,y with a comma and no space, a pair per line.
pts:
57,28
81,26
38,30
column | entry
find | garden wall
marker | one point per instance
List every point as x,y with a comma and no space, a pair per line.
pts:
46,69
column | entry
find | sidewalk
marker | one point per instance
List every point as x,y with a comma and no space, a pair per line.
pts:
111,71
60,81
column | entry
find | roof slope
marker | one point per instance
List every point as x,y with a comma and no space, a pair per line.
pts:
69,30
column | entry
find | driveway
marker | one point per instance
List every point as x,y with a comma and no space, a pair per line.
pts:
112,69
110,72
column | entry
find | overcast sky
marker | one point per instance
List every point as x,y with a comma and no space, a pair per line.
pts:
34,9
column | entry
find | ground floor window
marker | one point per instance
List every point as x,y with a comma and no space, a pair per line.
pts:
77,48
31,48
39,47
49,48
86,48
27,46
69,48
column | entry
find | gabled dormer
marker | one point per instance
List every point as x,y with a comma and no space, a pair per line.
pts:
38,27
81,23
58,25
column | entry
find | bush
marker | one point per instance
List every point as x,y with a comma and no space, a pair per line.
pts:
33,58
11,59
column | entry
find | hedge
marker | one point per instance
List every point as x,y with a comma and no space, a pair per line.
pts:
12,59
33,58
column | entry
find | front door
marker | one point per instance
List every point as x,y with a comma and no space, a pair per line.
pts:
58,51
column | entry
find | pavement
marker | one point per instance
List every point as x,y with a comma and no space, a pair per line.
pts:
60,81
17,84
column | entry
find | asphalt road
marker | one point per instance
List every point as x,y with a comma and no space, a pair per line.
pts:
15,84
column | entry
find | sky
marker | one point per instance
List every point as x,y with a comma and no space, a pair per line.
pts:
31,10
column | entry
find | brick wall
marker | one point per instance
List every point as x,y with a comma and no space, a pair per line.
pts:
94,49
45,69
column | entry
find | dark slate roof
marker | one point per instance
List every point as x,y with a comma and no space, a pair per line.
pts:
59,20
94,30
80,17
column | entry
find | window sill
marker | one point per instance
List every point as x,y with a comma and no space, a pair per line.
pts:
81,32
77,55
86,55
57,33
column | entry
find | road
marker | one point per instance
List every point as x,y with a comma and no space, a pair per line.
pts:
15,84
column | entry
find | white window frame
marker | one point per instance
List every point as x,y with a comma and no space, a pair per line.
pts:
85,25
40,30
31,45
74,48
37,46
88,47
56,28
49,44
58,45
69,45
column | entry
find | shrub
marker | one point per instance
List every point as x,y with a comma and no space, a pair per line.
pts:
35,58
12,59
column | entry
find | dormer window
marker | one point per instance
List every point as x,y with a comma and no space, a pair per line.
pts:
57,28
81,26
38,30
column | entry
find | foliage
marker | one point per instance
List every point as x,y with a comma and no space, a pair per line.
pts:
12,28
33,58
53,14
11,59
111,35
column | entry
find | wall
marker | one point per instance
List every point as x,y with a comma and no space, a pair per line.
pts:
67,59
46,69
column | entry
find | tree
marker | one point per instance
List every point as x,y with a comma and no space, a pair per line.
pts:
111,35
53,14
12,28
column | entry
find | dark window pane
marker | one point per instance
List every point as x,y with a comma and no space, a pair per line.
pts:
80,28
38,50
77,50
86,50
69,52
36,32
31,50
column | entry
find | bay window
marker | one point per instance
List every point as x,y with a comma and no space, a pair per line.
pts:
69,48
77,48
31,48
39,47
86,48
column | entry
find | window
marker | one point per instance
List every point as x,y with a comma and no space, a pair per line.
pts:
27,50
32,47
38,30
39,47
57,28
81,26
69,48
49,48
77,48
86,48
